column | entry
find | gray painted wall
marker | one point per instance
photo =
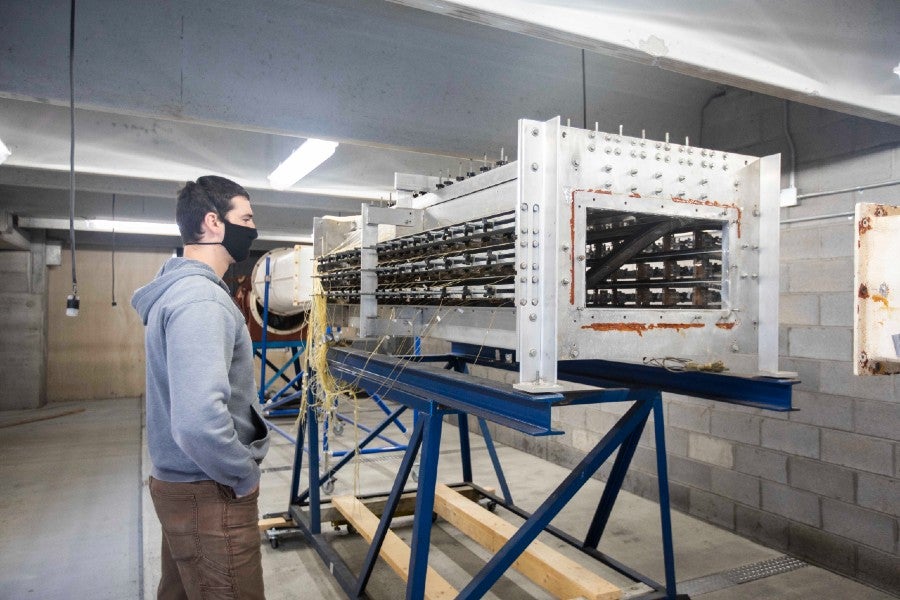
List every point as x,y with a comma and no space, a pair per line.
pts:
822,482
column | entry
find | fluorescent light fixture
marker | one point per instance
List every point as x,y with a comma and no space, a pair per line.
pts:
144,227
4,152
301,162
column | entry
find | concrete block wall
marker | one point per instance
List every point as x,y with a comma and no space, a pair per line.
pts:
823,482
23,314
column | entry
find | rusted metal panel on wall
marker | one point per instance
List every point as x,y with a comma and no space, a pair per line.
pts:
876,333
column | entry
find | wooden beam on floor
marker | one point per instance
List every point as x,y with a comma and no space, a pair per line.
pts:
394,550
556,573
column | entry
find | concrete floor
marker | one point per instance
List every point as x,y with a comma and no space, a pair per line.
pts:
76,519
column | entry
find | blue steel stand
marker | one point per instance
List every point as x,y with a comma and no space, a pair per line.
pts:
435,393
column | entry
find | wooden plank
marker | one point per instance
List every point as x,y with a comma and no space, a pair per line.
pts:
558,574
405,507
394,550
275,523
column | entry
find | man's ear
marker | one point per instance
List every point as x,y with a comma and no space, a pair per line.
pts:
211,223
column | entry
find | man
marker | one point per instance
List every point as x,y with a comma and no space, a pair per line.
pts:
204,434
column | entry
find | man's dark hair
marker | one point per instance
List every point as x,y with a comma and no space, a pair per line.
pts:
197,198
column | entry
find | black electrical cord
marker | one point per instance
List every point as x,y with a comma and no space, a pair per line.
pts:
72,146
719,93
113,260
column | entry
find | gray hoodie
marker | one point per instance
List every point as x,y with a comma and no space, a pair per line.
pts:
202,413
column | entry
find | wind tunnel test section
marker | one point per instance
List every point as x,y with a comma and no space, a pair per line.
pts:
590,245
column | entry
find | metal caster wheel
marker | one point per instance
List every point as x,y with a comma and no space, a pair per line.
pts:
274,543
492,506
337,427
328,486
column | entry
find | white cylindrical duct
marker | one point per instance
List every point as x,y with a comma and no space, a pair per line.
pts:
290,287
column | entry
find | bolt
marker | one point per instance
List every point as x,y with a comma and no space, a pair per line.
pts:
565,247
607,168
534,266
534,279
575,162
536,208
523,279
524,207
532,317
532,352
523,301
523,265
581,258
591,148
574,353
735,347
534,244
565,281
534,131
534,166
534,301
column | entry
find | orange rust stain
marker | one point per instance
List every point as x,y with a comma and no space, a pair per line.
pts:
882,299
640,328
880,211
729,325
598,191
696,202
863,291
634,195
864,225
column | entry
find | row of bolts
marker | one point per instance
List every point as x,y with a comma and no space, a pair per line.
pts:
486,165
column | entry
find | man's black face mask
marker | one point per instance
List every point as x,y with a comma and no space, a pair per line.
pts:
237,240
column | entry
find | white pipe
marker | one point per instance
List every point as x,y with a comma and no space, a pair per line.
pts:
817,218
851,189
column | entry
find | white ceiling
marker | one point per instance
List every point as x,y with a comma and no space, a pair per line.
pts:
168,92
839,55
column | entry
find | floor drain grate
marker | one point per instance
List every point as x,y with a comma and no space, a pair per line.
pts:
765,568
752,572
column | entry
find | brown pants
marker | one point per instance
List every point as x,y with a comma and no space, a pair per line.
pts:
210,542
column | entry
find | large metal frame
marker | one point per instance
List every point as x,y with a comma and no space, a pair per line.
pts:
564,181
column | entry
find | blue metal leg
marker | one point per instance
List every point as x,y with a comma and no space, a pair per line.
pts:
464,449
421,536
613,486
349,455
384,407
315,523
566,490
393,499
265,327
298,465
664,513
495,460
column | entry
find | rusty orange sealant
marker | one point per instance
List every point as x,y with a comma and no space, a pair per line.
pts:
712,203
640,328
882,299
726,325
